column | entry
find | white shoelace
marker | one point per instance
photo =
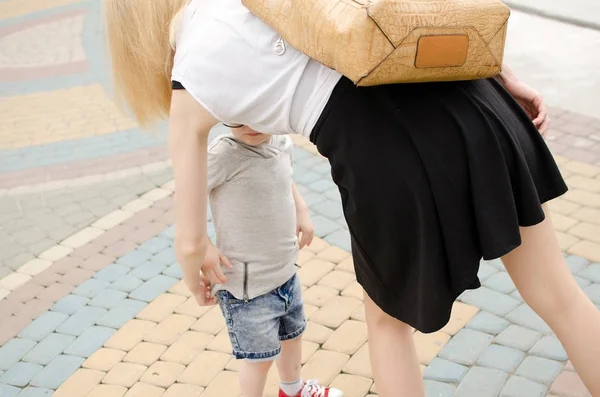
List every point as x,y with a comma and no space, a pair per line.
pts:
312,388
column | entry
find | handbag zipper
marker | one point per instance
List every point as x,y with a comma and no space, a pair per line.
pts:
246,283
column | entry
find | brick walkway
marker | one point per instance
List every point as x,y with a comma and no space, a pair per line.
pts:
91,302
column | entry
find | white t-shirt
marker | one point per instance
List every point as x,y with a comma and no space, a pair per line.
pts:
232,64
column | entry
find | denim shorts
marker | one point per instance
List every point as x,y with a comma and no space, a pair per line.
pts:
257,326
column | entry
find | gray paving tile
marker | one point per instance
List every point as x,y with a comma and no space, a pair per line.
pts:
444,371
13,350
485,271
490,301
593,291
35,392
438,389
42,326
58,371
324,226
526,317
576,263
155,245
8,391
466,346
539,369
134,258
549,347
20,374
48,349
148,270
125,311
500,357
90,288
152,288
112,272
482,382
329,209
500,282
89,341
340,238
81,320
174,271
518,337
522,387
126,283
108,299
70,304
591,272
488,323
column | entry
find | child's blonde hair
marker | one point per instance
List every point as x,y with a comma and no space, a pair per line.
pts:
141,38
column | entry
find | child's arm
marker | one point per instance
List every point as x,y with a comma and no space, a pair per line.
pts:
189,126
303,223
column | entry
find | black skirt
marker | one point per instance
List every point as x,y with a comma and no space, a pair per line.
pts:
433,177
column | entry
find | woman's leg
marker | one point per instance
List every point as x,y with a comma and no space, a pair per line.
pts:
543,279
394,359
253,376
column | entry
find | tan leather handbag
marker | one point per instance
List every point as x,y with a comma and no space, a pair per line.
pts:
376,42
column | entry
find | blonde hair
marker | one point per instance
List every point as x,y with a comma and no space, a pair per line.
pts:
141,39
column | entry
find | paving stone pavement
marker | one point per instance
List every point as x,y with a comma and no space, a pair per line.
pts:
91,298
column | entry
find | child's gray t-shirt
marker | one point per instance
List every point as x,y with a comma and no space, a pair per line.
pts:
253,210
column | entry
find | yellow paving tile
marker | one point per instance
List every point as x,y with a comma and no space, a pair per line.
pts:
15,8
304,256
170,329
429,345
586,231
352,385
354,290
325,366
563,223
317,246
346,265
104,359
80,383
348,338
145,390
46,117
124,374
308,349
587,214
359,364
191,308
107,391
183,390
316,333
204,368
461,315
211,323
225,384
581,168
314,270
336,311
145,353
221,343
337,279
187,347
333,254
129,335
319,295
162,374
587,249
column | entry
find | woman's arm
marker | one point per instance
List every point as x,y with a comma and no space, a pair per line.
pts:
189,126
530,100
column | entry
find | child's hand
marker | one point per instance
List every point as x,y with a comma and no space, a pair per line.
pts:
305,226
202,293
211,267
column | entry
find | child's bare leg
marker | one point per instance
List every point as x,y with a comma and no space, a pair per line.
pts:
542,277
289,362
253,377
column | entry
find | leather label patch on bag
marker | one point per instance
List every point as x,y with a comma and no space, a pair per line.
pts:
442,51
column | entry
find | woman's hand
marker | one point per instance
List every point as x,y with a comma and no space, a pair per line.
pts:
530,100
211,267
304,228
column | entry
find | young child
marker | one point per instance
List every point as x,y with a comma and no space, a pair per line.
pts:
258,216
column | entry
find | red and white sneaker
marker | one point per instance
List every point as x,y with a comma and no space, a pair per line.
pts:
312,388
